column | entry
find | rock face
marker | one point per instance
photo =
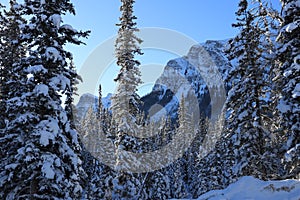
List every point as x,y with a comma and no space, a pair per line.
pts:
88,100
84,103
198,75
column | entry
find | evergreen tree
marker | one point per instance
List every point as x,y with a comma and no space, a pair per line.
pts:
178,187
90,130
212,173
2,73
245,125
125,184
156,185
100,105
100,185
12,49
187,129
70,92
129,75
288,84
43,159
99,180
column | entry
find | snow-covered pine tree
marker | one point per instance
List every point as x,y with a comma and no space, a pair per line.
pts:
215,169
210,165
11,50
125,185
103,115
90,129
178,186
288,84
156,185
43,161
100,105
2,73
168,130
100,185
185,121
70,92
187,129
197,178
99,176
129,75
247,134
269,24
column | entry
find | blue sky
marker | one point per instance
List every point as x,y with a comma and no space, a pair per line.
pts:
200,20
197,19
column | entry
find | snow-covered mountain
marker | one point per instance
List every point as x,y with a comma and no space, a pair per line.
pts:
87,100
250,188
199,74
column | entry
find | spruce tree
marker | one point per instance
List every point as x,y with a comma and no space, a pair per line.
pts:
247,131
12,49
43,159
2,72
129,74
156,185
100,105
69,95
99,180
125,184
288,84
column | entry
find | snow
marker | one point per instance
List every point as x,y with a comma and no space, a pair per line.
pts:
57,162
30,76
12,166
56,20
36,69
283,107
63,117
290,153
296,91
53,54
290,6
250,188
74,136
59,82
45,137
41,89
47,169
243,114
287,73
68,27
49,131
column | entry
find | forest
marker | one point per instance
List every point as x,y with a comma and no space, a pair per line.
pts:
48,150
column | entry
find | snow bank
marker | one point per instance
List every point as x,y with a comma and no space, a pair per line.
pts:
250,188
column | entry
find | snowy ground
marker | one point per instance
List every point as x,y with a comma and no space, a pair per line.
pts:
249,188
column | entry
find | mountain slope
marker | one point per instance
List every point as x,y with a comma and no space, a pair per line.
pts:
199,74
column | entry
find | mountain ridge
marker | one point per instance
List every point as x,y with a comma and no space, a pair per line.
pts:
200,73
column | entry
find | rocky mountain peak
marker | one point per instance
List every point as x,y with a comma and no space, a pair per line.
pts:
200,73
